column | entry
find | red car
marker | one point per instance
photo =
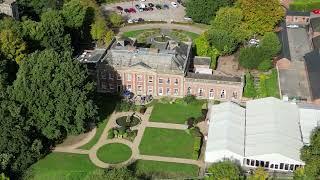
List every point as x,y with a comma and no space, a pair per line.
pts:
131,10
316,11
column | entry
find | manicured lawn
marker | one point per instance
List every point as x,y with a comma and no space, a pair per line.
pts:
165,169
62,166
114,153
106,105
167,142
268,86
177,113
304,5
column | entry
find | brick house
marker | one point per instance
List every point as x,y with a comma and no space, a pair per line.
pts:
164,69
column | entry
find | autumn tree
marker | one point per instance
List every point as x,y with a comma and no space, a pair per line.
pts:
98,30
261,16
259,174
12,45
115,19
55,90
108,37
224,170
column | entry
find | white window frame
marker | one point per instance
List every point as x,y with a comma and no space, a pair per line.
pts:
150,90
225,94
129,77
159,80
211,94
168,91
176,91
150,77
129,89
160,89
202,92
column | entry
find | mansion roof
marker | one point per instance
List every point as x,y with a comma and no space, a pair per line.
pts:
174,57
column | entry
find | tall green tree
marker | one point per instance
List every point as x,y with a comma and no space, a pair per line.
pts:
222,40
56,91
51,32
224,170
19,145
74,14
202,11
270,44
116,19
261,16
230,20
311,156
98,30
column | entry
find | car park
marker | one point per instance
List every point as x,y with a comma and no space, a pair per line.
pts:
174,4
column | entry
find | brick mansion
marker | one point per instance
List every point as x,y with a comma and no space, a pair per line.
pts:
162,69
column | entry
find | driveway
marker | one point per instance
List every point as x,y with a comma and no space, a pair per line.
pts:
171,14
299,43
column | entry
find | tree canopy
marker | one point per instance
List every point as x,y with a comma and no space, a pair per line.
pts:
55,90
311,156
202,11
111,174
224,170
74,14
260,15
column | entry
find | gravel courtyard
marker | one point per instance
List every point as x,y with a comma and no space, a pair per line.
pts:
171,14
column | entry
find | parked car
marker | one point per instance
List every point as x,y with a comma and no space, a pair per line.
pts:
316,11
135,20
142,5
119,8
137,6
174,4
292,26
165,6
140,9
142,0
151,5
126,10
158,6
187,18
130,21
131,10
140,20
